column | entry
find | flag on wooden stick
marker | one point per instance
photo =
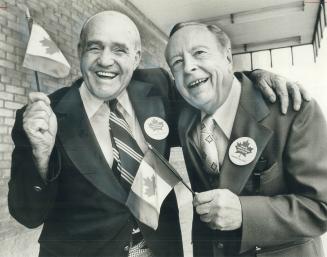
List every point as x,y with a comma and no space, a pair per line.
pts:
152,183
43,55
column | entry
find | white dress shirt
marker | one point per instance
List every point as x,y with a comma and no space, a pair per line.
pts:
224,118
98,114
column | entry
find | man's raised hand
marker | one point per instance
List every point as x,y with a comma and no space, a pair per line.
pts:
40,125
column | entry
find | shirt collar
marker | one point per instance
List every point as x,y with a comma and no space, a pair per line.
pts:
92,104
125,103
224,116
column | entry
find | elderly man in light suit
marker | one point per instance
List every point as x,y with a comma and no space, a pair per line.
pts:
260,177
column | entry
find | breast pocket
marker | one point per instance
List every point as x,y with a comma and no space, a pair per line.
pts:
269,174
272,180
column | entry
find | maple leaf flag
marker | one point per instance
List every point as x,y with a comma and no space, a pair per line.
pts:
43,55
152,183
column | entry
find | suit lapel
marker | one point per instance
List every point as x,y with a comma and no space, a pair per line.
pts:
251,110
78,140
147,103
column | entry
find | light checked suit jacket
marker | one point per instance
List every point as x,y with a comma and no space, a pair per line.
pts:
288,213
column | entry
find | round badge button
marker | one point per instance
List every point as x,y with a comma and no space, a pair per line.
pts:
156,128
242,151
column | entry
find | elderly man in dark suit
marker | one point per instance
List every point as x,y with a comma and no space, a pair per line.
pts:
65,173
261,177
77,151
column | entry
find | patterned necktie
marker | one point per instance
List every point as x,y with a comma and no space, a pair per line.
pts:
208,146
127,157
126,152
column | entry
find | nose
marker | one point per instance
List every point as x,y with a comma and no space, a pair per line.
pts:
189,65
106,58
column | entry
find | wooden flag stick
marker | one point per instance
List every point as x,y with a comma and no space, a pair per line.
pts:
30,23
170,167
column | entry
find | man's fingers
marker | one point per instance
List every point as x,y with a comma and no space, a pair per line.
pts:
281,91
38,114
294,91
206,218
305,94
37,125
39,106
203,208
38,96
204,197
266,90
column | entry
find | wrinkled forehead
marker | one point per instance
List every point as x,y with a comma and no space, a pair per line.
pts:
187,38
111,24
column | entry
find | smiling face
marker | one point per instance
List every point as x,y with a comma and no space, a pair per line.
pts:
202,68
109,52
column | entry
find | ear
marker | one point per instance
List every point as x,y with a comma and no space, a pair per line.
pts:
229,56
79,50
137,59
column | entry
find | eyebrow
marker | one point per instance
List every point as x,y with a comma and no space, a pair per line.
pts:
97,42
121,45
198,46
192,49
91,42
174,56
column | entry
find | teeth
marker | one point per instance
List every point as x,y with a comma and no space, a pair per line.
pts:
106,74
197,82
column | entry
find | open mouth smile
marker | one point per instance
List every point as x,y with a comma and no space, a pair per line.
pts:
106,75
197,83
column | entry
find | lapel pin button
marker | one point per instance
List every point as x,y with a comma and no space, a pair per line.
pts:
242,151
156,128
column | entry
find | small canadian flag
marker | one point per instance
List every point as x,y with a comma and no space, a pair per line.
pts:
152,183
43,55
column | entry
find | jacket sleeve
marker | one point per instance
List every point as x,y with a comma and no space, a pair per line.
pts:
302,211
29,197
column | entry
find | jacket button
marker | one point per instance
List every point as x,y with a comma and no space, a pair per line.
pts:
220,245
37,188
126,248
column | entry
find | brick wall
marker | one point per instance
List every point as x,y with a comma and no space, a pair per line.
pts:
62,19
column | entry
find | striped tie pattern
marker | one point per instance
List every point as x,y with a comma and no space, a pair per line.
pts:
127,158
126,152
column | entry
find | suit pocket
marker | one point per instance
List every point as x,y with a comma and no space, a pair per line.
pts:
269,174
272,181
304,249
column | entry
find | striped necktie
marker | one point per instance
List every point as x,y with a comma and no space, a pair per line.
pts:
126,152
127,157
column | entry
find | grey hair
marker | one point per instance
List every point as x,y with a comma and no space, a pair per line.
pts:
221,36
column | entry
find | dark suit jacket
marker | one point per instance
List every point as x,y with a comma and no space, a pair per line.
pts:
83,206
287,212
